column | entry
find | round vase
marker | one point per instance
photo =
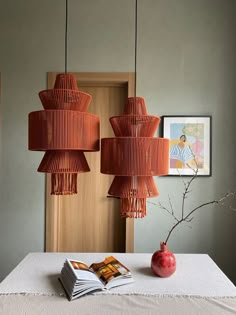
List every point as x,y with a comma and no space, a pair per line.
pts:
163,262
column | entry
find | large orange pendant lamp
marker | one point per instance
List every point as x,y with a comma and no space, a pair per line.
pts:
64,130
134,155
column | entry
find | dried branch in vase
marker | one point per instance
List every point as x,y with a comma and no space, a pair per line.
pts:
188,216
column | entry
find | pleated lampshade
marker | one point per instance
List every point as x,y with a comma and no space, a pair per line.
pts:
64,130
134,156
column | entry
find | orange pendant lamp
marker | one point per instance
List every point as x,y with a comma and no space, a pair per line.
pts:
134,155
64,130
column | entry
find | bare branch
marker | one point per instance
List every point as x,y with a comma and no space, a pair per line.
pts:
171,206
189,220
188,217
164,208
188,184
173,227
183,181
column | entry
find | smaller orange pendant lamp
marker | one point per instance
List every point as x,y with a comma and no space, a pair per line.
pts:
134,156
64,130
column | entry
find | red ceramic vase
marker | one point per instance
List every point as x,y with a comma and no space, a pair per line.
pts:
163,262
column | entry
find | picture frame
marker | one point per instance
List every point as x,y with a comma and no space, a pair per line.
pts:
190,144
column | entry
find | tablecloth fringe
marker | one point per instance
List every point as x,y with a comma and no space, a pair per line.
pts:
33,294
125,294
176,295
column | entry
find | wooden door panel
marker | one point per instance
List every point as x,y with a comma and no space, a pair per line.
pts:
89,221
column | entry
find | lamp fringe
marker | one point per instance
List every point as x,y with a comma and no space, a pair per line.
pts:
64,184
133,207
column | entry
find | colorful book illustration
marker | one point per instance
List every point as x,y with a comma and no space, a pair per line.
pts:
79,279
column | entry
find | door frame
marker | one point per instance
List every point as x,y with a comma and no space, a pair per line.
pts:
53,205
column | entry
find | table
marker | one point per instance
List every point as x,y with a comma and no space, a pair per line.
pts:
197,287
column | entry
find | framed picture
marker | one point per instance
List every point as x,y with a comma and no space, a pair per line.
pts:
190,144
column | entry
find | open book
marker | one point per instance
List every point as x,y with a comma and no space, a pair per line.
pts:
79,279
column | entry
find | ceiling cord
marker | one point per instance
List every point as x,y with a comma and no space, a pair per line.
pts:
66,26
135,49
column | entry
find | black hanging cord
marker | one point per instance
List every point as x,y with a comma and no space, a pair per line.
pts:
135,49
66,26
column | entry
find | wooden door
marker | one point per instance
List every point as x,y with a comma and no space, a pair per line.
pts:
89,221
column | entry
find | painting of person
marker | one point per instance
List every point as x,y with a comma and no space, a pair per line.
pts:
181,153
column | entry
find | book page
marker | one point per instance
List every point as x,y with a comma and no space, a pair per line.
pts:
109,269
82,271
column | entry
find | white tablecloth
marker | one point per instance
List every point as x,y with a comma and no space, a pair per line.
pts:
197,287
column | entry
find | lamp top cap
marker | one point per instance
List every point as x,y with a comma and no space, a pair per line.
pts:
66,81
135,106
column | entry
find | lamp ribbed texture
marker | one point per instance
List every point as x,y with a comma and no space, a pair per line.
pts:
64,130
65,95
133,207
135,106
64,184
134,156
134,126
64,162
133,186
65,99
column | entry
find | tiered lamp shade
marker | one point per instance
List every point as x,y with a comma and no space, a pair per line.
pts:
134,156
64,130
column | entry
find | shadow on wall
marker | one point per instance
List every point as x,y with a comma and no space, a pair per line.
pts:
224,173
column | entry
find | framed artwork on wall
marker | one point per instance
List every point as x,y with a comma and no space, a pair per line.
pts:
190,144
